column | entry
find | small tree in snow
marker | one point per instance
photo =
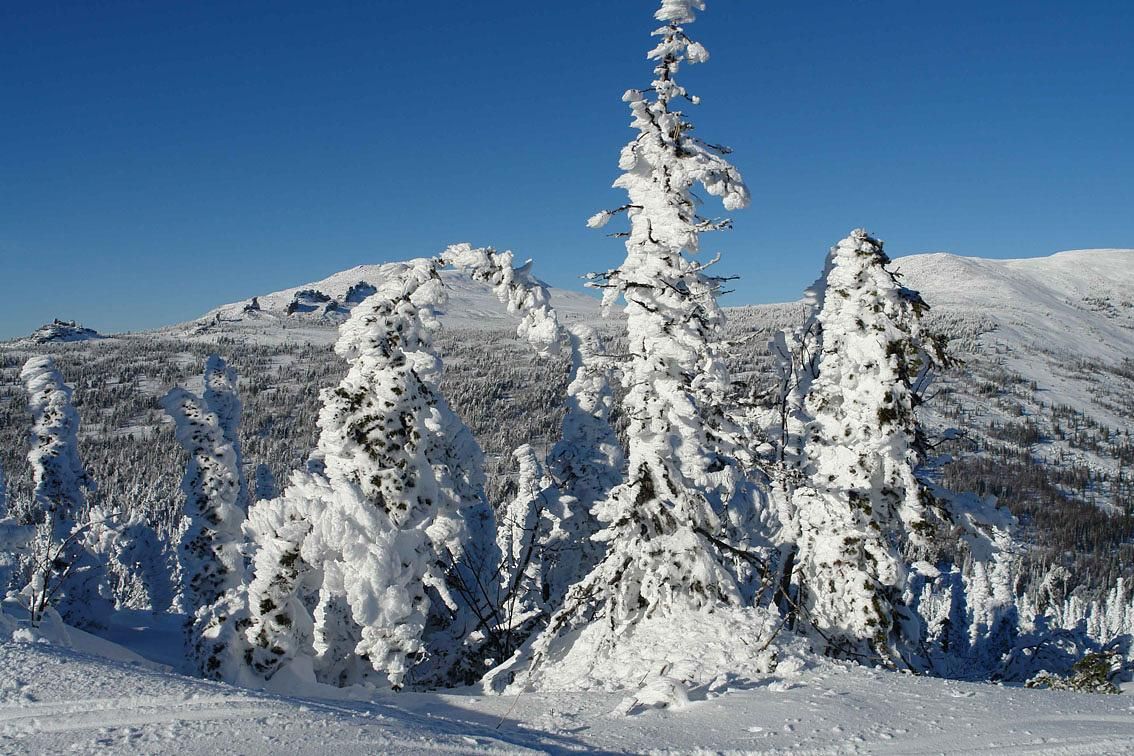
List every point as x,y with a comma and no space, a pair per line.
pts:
527,534
663,526
586,462
66,574
133,557
265,486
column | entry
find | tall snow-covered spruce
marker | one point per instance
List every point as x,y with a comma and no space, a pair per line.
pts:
211,549
860,502
668,554
68,574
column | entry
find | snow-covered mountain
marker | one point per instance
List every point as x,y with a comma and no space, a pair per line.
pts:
1079,302
1060,322
61,332
328,302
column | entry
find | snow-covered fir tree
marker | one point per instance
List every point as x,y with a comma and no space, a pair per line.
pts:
516,288
65,574
379,535
527,533
861,502
664,526
61,481
586,462
222,398
211,551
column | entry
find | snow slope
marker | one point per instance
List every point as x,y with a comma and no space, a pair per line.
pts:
57,700
1077,303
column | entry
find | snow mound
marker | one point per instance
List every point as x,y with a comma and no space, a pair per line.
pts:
697,651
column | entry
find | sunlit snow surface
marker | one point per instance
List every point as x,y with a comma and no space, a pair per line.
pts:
55,700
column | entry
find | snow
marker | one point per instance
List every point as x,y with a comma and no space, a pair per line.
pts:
62,332
472,304
1051,304
56,699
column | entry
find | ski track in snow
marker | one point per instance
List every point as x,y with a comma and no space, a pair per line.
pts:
55,700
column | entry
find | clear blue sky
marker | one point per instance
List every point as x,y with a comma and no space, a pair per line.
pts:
158,158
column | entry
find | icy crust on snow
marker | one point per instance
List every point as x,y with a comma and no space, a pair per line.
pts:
689,650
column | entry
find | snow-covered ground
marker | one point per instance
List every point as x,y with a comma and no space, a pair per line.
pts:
55,699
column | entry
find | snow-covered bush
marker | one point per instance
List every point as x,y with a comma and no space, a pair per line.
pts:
133,557
15,540
527,534
1091,674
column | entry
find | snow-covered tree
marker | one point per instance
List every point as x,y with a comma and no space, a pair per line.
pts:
516,288
61,481
664,529
381,533
210,550
861,502
66,574
586,462
527,535
265,485
15,539
222,398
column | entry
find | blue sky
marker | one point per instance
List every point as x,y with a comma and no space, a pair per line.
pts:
158,158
